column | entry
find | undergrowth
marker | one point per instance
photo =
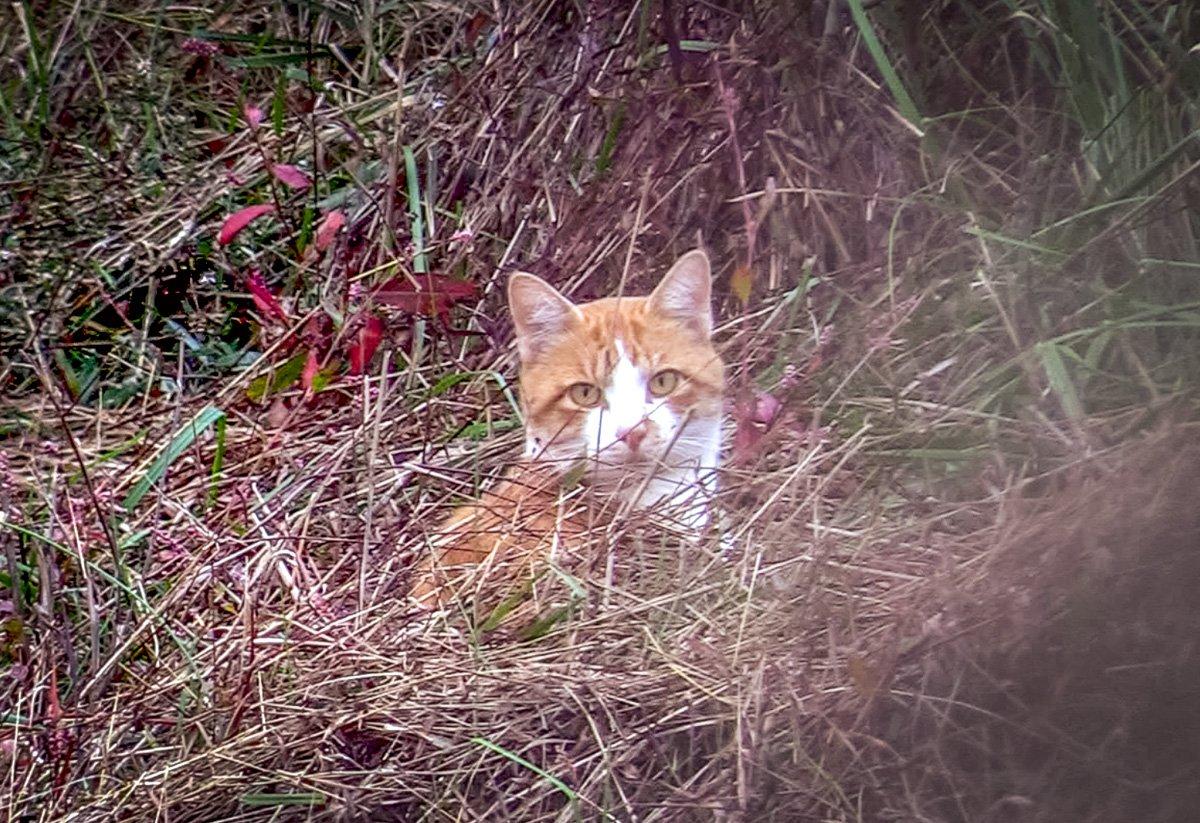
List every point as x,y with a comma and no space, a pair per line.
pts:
253,345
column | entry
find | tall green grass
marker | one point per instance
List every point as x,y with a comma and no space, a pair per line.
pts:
1088,112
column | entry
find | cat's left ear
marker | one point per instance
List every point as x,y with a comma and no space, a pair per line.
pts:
685,292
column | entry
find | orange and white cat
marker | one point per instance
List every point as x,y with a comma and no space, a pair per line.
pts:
629,388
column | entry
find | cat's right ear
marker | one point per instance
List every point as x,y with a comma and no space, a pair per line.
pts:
685,292
539,312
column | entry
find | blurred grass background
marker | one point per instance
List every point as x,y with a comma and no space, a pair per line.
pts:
956,248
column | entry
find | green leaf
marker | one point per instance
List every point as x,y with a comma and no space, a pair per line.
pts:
542,626
520,761
1013,241
416,220
449,381
505,607
695,46
278,380
611,135
279,106
214,475
266,61
483,429
908,109
177,446
1095,349
573,476
234,37
289,799
1060,381
307,218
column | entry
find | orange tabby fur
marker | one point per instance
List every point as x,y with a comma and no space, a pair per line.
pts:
642,446
517,521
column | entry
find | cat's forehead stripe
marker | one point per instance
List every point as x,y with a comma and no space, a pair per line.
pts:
620,361
625,397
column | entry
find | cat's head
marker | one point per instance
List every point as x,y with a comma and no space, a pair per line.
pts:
632,383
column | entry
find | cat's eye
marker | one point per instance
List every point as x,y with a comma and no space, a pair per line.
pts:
584,394
665,382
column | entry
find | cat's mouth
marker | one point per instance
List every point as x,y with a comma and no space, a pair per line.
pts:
617,460
618,457
614,476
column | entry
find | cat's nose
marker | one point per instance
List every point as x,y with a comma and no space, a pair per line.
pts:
632,436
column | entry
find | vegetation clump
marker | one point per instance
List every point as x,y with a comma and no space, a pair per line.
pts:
253,347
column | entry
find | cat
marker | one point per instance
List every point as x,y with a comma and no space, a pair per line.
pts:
624,394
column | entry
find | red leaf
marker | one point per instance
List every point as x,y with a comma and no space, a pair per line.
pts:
253,115
241,218
264,300
327,231
426,294
54,710
311,366
318,331
290,176
368,341
474,27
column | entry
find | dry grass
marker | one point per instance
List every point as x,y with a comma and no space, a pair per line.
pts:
958,588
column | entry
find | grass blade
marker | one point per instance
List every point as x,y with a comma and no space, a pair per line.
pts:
417,221
178,445
1060,381
908,109
290,799
214,475
520,761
